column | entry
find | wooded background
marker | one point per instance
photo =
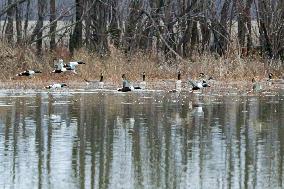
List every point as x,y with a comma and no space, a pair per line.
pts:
173,29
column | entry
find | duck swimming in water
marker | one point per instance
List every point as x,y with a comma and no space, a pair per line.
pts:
28,73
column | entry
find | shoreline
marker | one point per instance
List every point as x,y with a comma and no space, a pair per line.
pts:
239,87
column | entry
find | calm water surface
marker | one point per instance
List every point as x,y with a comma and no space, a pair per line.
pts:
141,140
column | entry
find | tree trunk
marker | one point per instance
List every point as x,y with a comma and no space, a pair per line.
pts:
265,42
224,26
102,45
76,37
53,25
27,19
9,27
241,23
41,6
37,32
134,19
248,25
115,28
19,23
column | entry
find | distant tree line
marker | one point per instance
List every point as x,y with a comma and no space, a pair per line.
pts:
173,29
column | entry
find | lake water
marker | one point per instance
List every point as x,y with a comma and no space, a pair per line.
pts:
141,140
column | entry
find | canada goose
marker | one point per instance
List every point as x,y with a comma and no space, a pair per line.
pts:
56,86
270,78
143,82
256,87
198,85
205,84
59,67
126,85
72,65
101,83
28,73
59,71
202,75
178,82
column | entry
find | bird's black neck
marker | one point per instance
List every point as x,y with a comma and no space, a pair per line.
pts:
179,76
143,77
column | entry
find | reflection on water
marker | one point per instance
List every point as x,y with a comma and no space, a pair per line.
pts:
150,140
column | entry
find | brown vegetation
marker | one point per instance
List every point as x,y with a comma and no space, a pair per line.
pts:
229,68
227,39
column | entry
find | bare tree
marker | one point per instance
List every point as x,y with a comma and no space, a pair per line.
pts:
77,35
172,29
53,25
26,22
19,23
37,32
9,27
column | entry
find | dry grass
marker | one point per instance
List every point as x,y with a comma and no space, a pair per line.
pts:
232,68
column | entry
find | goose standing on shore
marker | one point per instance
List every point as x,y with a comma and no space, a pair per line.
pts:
143,82
178,82
28,73
101,83
256,87
269,80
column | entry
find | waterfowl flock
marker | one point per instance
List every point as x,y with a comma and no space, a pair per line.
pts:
199,84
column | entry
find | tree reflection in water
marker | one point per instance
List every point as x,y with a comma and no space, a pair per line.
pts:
149,140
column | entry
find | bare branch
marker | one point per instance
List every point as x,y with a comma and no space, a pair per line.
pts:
7,8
